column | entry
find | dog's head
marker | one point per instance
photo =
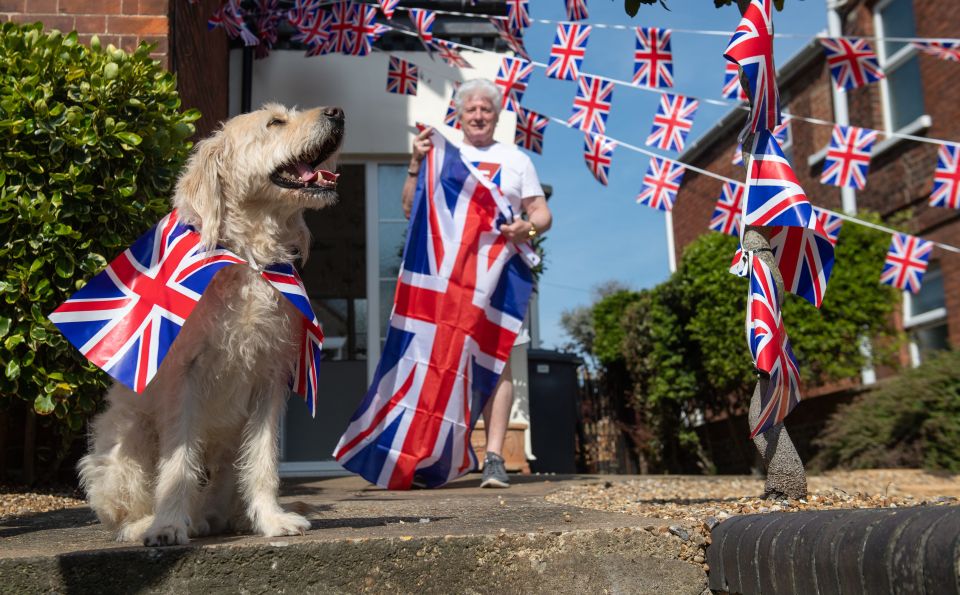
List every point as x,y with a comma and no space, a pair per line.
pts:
262,167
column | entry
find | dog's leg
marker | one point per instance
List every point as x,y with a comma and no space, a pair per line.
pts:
217,503
259,478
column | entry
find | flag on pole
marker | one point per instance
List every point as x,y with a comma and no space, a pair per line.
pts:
672,122
751,48
591,106
653,58
530,129
598,154
512,79
461,297
566,54
804,256
576,10
906,262
660,184
781,133
852,62
848,157
401,77
946,178
726,214
774,196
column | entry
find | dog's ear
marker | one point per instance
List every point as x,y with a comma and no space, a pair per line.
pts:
199,197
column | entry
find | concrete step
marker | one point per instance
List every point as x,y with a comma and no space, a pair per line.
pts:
456,539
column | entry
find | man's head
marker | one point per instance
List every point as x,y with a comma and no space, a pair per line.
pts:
478,103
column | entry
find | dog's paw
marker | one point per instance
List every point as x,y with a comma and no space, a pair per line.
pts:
161,534
282,523
199,529
134,531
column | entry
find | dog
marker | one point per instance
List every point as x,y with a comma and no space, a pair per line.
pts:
197,452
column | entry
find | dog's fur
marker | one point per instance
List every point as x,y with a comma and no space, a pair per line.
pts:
197,452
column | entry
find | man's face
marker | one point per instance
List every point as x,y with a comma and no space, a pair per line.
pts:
478,119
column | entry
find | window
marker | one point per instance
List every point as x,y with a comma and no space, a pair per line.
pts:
925,316
392,234
901,90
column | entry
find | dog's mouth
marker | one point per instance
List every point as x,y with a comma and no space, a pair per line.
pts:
312,172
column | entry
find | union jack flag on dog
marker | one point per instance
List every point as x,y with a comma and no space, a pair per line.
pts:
461,298
512,79
726,215
672,122
852,62
653,58
530,129
946,178
660,184
598,155
906,262
848,157
576,10
751,48
401,77
568,50
591,106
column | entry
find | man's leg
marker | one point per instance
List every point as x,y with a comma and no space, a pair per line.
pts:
496,418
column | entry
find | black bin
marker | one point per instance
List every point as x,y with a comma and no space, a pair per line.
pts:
553,410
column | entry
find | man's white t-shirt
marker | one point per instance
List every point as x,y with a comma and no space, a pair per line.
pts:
509,168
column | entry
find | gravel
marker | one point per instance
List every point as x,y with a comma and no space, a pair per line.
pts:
19,501
695,504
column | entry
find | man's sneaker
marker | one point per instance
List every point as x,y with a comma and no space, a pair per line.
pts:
494,473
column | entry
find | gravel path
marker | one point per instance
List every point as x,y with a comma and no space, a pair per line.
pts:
18,501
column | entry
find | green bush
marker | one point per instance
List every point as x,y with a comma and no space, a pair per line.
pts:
92,139
910,421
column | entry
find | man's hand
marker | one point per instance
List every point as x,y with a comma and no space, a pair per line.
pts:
421,144
517,232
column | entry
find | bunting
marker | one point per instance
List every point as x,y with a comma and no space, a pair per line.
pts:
726,213
848,157
732,89
566,54
672,122
450,54
852,62
401,77
906,262
229,17
576,10
512,79
660,184
518,14
945,50
598,154
653,58
591,106
513,39
530,129
830,223
946,178
387,7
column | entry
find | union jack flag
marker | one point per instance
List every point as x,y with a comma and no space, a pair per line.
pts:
946,178
512,79
848,157
591,106
805,259
387,7
229,17
518,14
530,129
852,62
774,196
672,122
906,262
576,10
268,23
770,347
450,54
460,301
364,30
945,50
781,133
653,58
401,77
451,118
343,16
569,47
598,154
513,39
660,184
312,25
726,215
423,22
830,223
732,89
751,48
302,12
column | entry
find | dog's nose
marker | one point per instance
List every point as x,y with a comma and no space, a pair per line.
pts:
334,113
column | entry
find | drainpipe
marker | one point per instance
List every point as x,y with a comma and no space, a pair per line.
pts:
246,80
671,248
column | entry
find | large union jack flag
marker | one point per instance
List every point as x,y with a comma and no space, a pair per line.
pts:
726,214
518,14
906,262
653,58
591,105
732,89
513,38
945,50
598,154
830,222
576,10
566,54
946,178
660,184
770,347
672,122
848,157
512,79
229,17
751,47
774,196
460,301
126,318
530,129
852,62
401,77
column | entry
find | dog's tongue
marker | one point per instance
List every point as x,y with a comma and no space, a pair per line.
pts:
306,174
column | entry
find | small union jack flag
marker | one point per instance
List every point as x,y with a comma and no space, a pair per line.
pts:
302,12
423,22
387,7
653,58
513,39
774,196
946,178
906,262
848,157
451,118
770,347
805,259
530,129
401,77
781,133
591,106
268,24
945,50
660,184
365,30
569,47
598,153
518,14
830,222
450,54
852,62
732,89
343,15
576,10
512,79
229,17
726,215
672,122
751,48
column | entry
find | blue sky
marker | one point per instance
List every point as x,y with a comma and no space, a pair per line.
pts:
599,232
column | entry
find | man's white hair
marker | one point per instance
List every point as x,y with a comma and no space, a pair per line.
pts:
478,87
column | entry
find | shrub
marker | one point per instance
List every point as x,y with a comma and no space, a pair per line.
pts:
92,139
910,421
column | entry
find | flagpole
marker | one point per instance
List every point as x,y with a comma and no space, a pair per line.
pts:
671,255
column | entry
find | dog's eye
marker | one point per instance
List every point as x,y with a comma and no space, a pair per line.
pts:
276,122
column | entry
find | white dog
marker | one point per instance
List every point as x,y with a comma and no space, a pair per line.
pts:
197,452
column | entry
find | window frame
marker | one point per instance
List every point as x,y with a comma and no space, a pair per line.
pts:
889,64
923,320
